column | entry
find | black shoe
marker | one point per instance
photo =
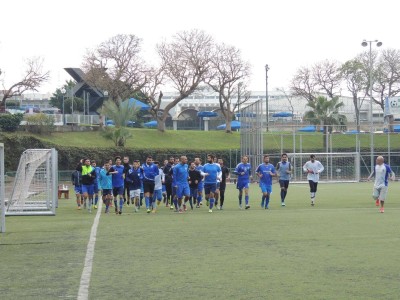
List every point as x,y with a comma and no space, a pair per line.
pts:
247,207
120,212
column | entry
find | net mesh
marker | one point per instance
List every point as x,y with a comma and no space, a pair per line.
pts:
35,184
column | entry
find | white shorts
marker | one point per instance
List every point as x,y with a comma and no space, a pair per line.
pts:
380,193
134,193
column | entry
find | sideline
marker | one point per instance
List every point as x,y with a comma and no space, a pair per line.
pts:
83,293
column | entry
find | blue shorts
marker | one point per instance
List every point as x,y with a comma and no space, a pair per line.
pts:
210,188
265,188
240,185
183,190
89,189
78,189
157,195
118,191
200,186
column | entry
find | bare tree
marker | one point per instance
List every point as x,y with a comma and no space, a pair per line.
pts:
116,66
328,78
322,77
226,78
304,85
353,73
386,73
185,62
33,78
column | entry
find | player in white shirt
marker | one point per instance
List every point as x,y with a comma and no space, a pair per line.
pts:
158,179
313,168
381,172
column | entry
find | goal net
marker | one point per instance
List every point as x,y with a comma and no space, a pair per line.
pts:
338,167
35,185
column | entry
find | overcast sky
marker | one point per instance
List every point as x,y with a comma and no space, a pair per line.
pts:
283,34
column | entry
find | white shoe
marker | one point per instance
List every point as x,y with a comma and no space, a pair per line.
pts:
240,206
210,210
219,207
283,204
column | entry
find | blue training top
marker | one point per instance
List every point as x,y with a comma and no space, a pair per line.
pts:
149,171
105,181
180,173
264,169
212,170
240,168
117,179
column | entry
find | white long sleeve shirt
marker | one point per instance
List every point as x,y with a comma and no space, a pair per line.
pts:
313,170
158,180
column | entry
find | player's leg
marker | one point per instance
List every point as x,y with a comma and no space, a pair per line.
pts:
246,196
240,196
213,188
382,198
221,196
115,195
312,194
375,196
283,191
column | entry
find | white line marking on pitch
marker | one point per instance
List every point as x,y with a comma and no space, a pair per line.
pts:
83,293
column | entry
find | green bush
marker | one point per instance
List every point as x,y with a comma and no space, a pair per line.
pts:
9,122
39,123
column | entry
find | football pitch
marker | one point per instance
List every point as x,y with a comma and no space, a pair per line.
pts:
342,248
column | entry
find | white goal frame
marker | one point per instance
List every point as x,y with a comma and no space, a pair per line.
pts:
334,171
2,190
35,189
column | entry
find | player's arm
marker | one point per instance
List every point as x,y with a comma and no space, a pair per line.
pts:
305,168
290,169
371,175
320,168
273,172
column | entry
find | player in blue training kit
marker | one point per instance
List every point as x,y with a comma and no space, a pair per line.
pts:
181,175
134,178
149,171
117,172
265,172
96,183
284,169
211,173
243,172
105,184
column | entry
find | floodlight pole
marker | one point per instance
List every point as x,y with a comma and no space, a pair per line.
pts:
371,114
63,104
266,96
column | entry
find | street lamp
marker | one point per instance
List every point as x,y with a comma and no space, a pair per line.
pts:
63,102
266,94
365,44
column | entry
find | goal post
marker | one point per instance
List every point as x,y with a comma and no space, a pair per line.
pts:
35,185
338,167
2,190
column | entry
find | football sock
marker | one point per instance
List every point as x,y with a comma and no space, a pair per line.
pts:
96,199
246,198
283,195
211,202
121,204
266,200
147,201
240,200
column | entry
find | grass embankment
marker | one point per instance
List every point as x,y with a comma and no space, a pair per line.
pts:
218,140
